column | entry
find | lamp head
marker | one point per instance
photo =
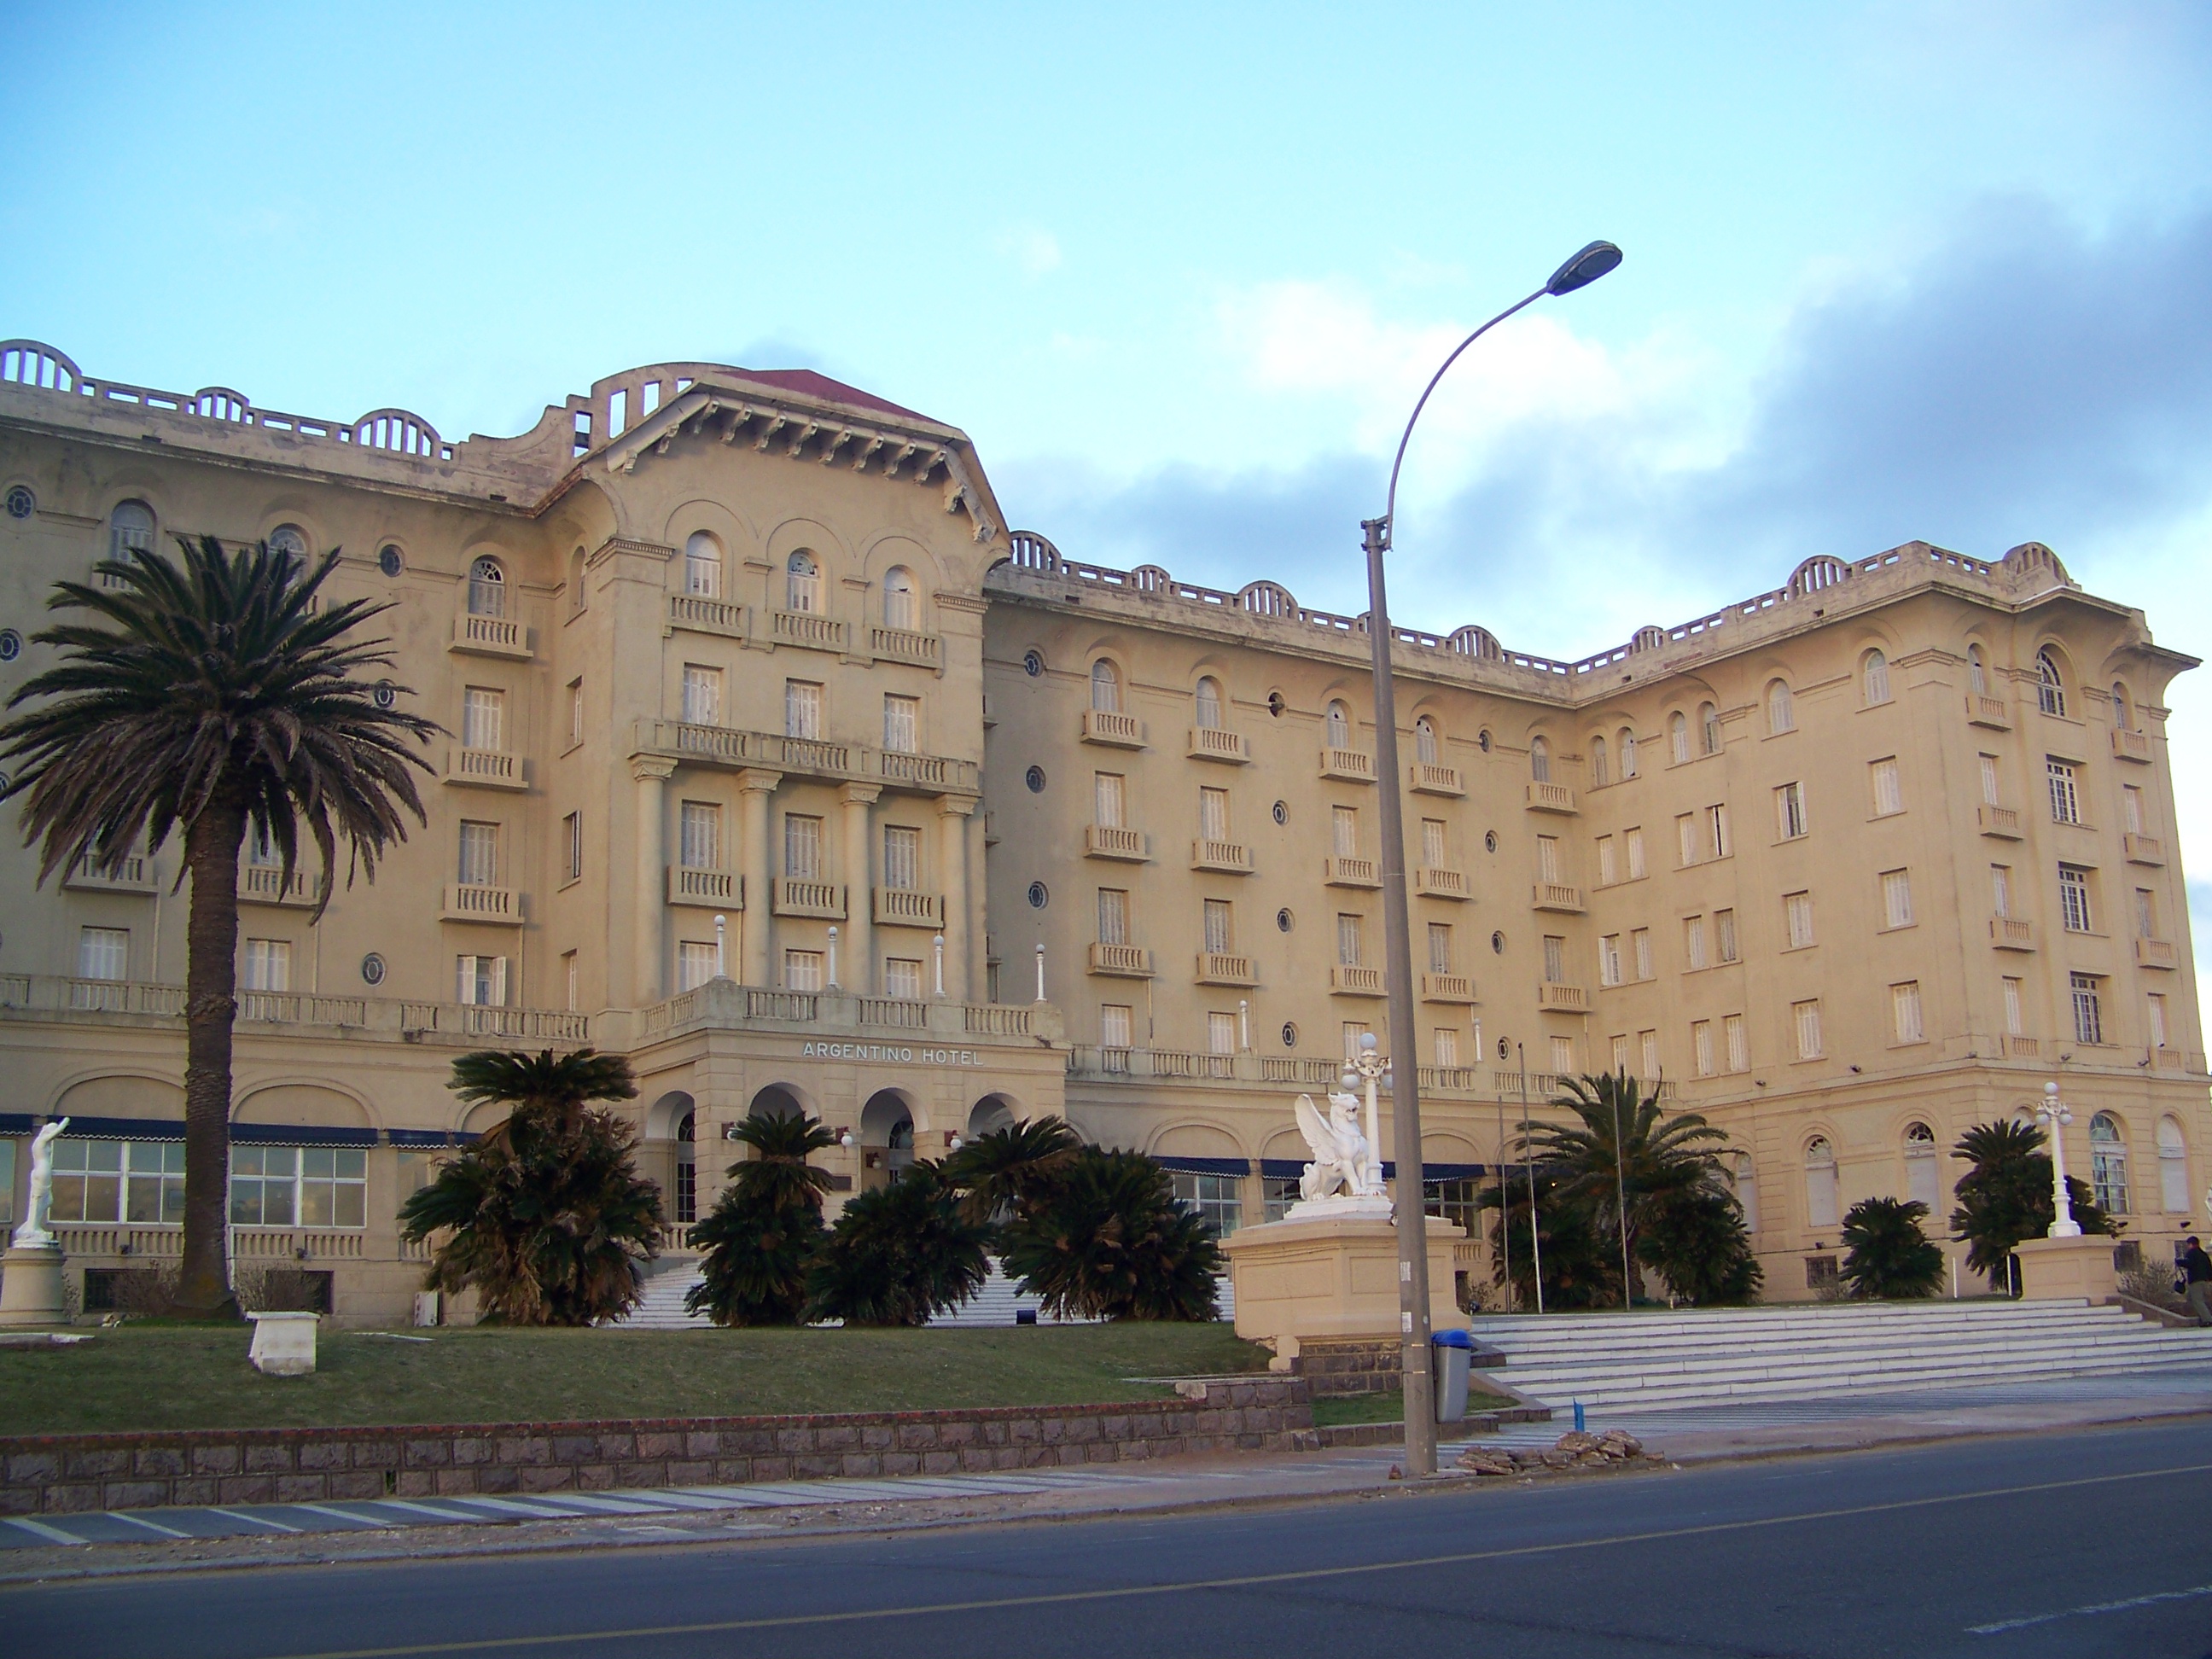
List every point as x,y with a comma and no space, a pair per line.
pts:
1367,1043
1585,268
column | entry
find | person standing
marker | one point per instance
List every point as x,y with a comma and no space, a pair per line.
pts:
2196,1271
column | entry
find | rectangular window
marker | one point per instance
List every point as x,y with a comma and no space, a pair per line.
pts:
2088,1008
2073,898
1693,941
1555,959
479,865
1351,952
1213,814
1344,821
702,694
2065,798
702,567
1608,960
575,713
572,977
1905,1016
1440,947
1807,1018
1608,871
1991,794
1563,1056
695,964
1897,898
260,851
1432,843
484,718
480,981
1790,811
902,978
2158,1027
1213,1199
1548,857
1356,1031
802,847
1114,1025
1107,800
103,952
1620,1051
1797,915
902,724
1724,935
1113,916
299,1186
1447,1047
2000,891
1701,1045
89,1180
1738,1043
1637,866
1686,833
2132,804
1716,830
1220,1033
2013,1007
572,839
1639,942
902,856
1220,936
802,970
265,964
1647,1042
2146,914
1889,788
699,843
802,710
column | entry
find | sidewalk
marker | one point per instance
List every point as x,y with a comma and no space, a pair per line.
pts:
170,1540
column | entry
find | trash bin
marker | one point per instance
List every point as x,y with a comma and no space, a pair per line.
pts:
1453,1352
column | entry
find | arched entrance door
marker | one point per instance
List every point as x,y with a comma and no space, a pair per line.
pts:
990,1114
667,1155
886,1139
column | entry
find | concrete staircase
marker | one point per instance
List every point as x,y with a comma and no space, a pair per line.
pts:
1675,1361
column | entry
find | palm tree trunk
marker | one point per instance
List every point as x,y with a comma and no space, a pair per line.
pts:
211,1007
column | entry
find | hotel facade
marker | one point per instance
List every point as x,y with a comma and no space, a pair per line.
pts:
779,764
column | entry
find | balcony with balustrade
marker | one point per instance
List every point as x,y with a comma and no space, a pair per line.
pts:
472,902
808,630
705,888
2131,745
1551,798
2016,1047
1119,961
1347,765
1427,778
269,883
2145,850
1228,858
1112,728
907,907
1216,743
1557,896
1224,968
1562,999
2002,822
1116,842
2012,933
133,873
694,613
903,645
1433,881
49,997
1337,872
489,636
1447,987
1348,980
822,758
825,901
2156,953
483,768
1986,711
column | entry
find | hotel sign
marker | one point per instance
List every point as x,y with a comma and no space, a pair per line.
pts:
891,1051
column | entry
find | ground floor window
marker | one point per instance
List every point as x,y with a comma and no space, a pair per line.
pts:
299,1186
1453,1200
1213,1198
130,1180
1277,1194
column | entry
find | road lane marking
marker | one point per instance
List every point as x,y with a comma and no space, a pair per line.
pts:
2094,1607
258,1520
51,1534
150,1525
1245,1581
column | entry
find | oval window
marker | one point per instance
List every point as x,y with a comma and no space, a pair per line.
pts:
1285,921
1282,811
11,645
386,694
22,503
1040,896
372,969
388,559
1032,663
1497,944
1490,842
1035,778
1290,1035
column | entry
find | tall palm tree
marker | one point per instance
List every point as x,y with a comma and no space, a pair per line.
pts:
1012,1169
2006,1197
206,697
766,1228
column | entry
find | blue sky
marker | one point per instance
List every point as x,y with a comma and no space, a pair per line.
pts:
1940,270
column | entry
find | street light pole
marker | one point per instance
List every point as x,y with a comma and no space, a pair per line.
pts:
2053,1112
1586,267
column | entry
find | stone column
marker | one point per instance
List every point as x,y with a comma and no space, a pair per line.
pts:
754,790
859,968
954,815
649,891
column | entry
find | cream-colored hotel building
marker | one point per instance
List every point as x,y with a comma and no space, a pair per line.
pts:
780,765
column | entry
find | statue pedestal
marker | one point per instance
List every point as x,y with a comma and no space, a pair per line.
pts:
2052,1267
1331,1277
31,1287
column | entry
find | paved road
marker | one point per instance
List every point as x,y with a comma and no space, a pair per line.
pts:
2090,1543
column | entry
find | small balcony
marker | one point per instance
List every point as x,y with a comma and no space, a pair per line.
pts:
823,900
1216,743
469,901
132,874
1562,999
1349,981
808,629
2155,953
708,888
903,645
484,768
1231,858
2022,1047
697,614
1113,729
1447,987
1551,798
2012,933
1429,778
267,883
1114,840
909,907
2131,745
2145,850
1991,712
1557,895
489,636
1224,968
1350,765
1435,882
1352,873
1121,961
2003,822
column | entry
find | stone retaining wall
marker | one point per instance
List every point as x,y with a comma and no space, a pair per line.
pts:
58,1475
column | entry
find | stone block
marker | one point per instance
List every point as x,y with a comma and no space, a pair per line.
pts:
522,1448
135,1494
595,1477
1052,1431
691,1472
453,1483
955,1435
641,1472
747,1442
1149,1426
320,1454
427,1453
19,1500
793,1442
1067,1453
837,1437
192,1489
149,1462
815,1465
662,1444
265,1459
499,1477
217,1460
1024,1431
877,1437
354,1484
1082,1430
302,1488
247,1488
917,1437
544,1477
975,1458
699,1444
775,1466
574,1449
34,1468
1007,1457
95,1465
1038,1457
901,1462
416,1483
373,1453
940,1462
617,1449
860,1465
1114,1428
473,1450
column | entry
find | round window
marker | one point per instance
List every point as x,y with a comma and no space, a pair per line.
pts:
1035,778
22,503
1497,944
1482,740
372,969
1276,704
1505,1051
1285,921
388,559
386,694
1289,1034
1032,663
11,645
1490,842
1282,811
1040,896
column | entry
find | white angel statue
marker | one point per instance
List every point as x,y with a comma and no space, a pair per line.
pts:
1342,1159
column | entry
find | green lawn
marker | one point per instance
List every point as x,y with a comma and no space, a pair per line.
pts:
1389,1407
167,1377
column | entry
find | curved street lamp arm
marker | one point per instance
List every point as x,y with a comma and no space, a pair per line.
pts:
1390,505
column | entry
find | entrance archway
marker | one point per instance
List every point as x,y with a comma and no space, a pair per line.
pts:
886,1139
990,1114
669,1155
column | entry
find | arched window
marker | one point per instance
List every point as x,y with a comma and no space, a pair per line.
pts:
289,539
1708,728
1920,1165
576,588
1340,727
1819,1182
1539,760
1678,736
2108,1165
1977,671
1746,1191
703,566
1600,775
2049,690
1874,679
1628,754
802,582
487,588
1781,707
2173,1168
1209,702
686,1171
902,604
131,525
1425,742
1105,686
2123,714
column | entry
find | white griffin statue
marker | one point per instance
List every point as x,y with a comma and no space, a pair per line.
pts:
1344,1166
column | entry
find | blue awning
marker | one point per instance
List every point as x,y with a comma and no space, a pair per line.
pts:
1212,1166
298,1134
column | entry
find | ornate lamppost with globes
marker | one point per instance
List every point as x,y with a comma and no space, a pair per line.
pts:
2054,1116
1410,1211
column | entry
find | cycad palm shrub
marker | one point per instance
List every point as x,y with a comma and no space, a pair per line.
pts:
2006,1196
899,1255
766,1229
1695,1237
1012,1169
544,1215
1108,1240
1886,1253
1581,1266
